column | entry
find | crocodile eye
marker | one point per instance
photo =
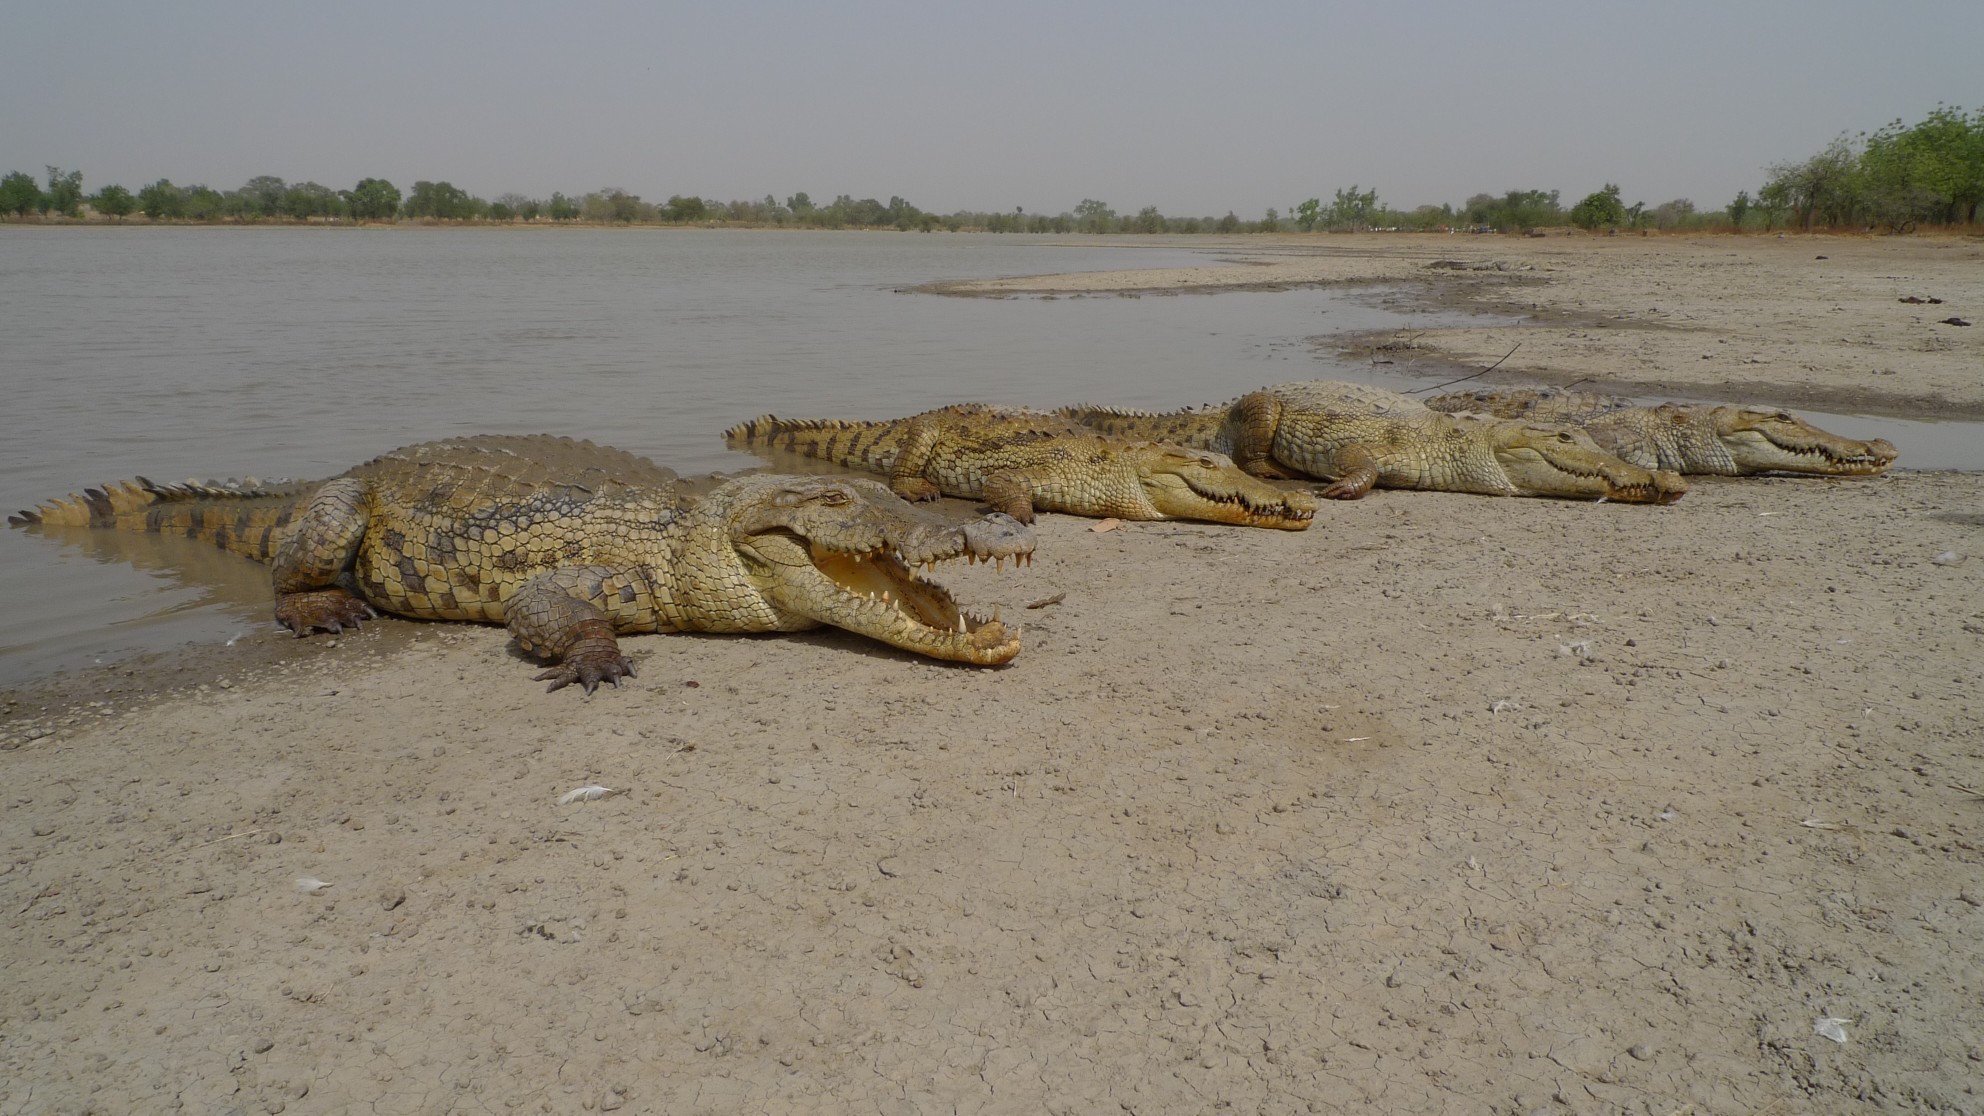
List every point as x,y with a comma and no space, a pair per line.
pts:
1784,416
1565,437
1206,463
833,497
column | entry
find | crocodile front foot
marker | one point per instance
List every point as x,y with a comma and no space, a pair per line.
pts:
329,610
594,658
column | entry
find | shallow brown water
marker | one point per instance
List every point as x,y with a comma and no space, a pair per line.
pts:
178,353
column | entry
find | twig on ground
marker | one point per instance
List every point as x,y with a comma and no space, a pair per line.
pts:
1471,376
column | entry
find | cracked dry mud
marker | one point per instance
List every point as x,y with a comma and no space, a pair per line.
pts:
1447,804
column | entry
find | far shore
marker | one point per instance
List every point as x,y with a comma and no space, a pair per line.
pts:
1810,320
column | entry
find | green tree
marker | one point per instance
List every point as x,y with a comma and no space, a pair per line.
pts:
1602,210
1353,209
682,209
1739,209
19,193
561,208
862,213
1514,211
263,196
204,203
1147,220
373,199
162,200
440,200
64,194
799,204
1092,216
114,201
1307,213
1271,220
515,205
1932,171
903,215
1676,214
1528,209
308,199
1428,218
1822,190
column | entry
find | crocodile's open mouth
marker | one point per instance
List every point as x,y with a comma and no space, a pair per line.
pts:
883,596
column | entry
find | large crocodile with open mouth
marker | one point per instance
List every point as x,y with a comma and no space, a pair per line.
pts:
1019,460
571,544
1721,439
1357,437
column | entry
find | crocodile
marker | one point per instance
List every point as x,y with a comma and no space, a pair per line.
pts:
1018,460
1357,437
571,544
1719,439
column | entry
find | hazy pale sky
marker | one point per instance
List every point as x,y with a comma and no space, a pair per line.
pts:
1196,108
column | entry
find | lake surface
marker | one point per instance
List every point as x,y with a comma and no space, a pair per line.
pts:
228,352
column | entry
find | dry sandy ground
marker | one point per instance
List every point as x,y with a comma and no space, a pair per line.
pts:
1448,804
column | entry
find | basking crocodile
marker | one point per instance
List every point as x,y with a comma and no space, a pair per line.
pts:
1722,439
1357,436
570,544
1017,460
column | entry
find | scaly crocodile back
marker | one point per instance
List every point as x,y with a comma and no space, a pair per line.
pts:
1341,397
1574,408
975,431
458,473
454,481
1197,427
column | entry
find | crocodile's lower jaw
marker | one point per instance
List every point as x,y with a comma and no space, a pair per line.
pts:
879,587
1241,512
1823,463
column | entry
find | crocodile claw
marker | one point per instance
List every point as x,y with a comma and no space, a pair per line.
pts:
328,610
588,669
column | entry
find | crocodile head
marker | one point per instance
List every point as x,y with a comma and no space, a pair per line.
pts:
1183,483
848,553
1758,440
1543,459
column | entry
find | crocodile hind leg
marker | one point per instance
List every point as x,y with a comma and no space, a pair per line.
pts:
1010,492
1356,473
561,616
906,479
1251,425
319,549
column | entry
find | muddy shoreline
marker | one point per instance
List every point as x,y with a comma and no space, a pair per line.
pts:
1725,318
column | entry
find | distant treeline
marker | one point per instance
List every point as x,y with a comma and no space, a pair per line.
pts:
1900,177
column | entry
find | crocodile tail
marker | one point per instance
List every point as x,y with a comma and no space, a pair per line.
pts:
851,443
1196,428
247,520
